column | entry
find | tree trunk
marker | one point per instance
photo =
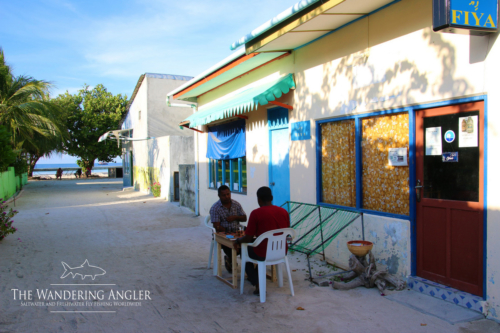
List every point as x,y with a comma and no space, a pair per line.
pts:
368,275
349,285
86,166
33,159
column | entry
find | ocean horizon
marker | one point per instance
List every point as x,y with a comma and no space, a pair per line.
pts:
66,165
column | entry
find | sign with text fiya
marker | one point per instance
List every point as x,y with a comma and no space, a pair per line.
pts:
470,16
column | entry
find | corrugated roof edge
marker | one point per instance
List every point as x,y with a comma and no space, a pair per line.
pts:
169,76
299,6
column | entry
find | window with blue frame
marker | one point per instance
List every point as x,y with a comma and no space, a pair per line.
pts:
232,173
355,169
226,153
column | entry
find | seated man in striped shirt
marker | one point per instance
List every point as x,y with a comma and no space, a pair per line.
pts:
225,215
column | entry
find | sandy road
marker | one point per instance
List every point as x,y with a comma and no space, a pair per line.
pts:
149,245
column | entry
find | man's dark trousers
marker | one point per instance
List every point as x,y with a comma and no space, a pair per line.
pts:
253,272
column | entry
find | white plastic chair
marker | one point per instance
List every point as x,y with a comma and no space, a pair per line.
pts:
213,246
275,255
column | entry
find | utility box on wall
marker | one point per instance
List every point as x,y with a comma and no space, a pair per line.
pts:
465,16
187,194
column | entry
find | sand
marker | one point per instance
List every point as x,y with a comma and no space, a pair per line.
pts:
68,175
146,244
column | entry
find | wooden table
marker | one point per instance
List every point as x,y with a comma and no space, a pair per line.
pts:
221,239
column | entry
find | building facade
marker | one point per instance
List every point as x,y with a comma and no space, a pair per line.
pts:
384,116
157,144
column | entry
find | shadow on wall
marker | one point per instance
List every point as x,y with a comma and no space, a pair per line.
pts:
382,91
370,88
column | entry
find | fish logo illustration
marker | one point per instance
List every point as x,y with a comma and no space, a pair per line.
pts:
84,270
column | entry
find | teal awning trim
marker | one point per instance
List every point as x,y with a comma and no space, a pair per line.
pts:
245,101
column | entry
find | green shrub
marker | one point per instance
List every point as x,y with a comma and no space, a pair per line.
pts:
6,220
156,189
20,166
7,155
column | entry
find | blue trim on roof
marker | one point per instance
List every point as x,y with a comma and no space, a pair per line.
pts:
169,76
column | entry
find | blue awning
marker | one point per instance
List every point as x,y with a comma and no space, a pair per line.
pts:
244,101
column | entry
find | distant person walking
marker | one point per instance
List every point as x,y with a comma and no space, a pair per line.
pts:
78,173
59,173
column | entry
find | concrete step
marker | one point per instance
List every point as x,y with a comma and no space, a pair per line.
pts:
448,294
435,307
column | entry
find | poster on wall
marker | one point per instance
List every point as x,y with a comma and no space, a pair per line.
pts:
433,144
398,157
467,132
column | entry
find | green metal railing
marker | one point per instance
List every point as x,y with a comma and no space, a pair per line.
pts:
316,227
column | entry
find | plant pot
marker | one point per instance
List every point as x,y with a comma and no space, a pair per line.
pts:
359,248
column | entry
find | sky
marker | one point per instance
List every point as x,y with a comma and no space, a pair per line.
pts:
72,43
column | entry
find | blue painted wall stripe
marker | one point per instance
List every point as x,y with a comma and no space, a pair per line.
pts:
359,164
485,196
319,179
413,213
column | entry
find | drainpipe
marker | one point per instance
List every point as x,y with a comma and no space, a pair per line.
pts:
196,176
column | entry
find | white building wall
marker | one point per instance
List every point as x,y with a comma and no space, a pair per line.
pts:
164,120
156,159
492,71
392,59
137,114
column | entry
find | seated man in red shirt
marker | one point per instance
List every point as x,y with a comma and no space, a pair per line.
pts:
266,218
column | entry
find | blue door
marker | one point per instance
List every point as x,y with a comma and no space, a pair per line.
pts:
128,169
279,166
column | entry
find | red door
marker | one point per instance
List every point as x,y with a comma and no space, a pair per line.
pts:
449,191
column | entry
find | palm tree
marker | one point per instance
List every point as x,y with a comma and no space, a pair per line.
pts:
35,123
25,108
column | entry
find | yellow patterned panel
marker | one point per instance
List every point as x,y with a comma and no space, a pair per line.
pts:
339,163
385,188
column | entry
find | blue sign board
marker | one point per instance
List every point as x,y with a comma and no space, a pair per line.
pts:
477,14
450,157
301,130
449,136
478,17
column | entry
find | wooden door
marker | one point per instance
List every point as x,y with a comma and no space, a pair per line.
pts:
449,169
